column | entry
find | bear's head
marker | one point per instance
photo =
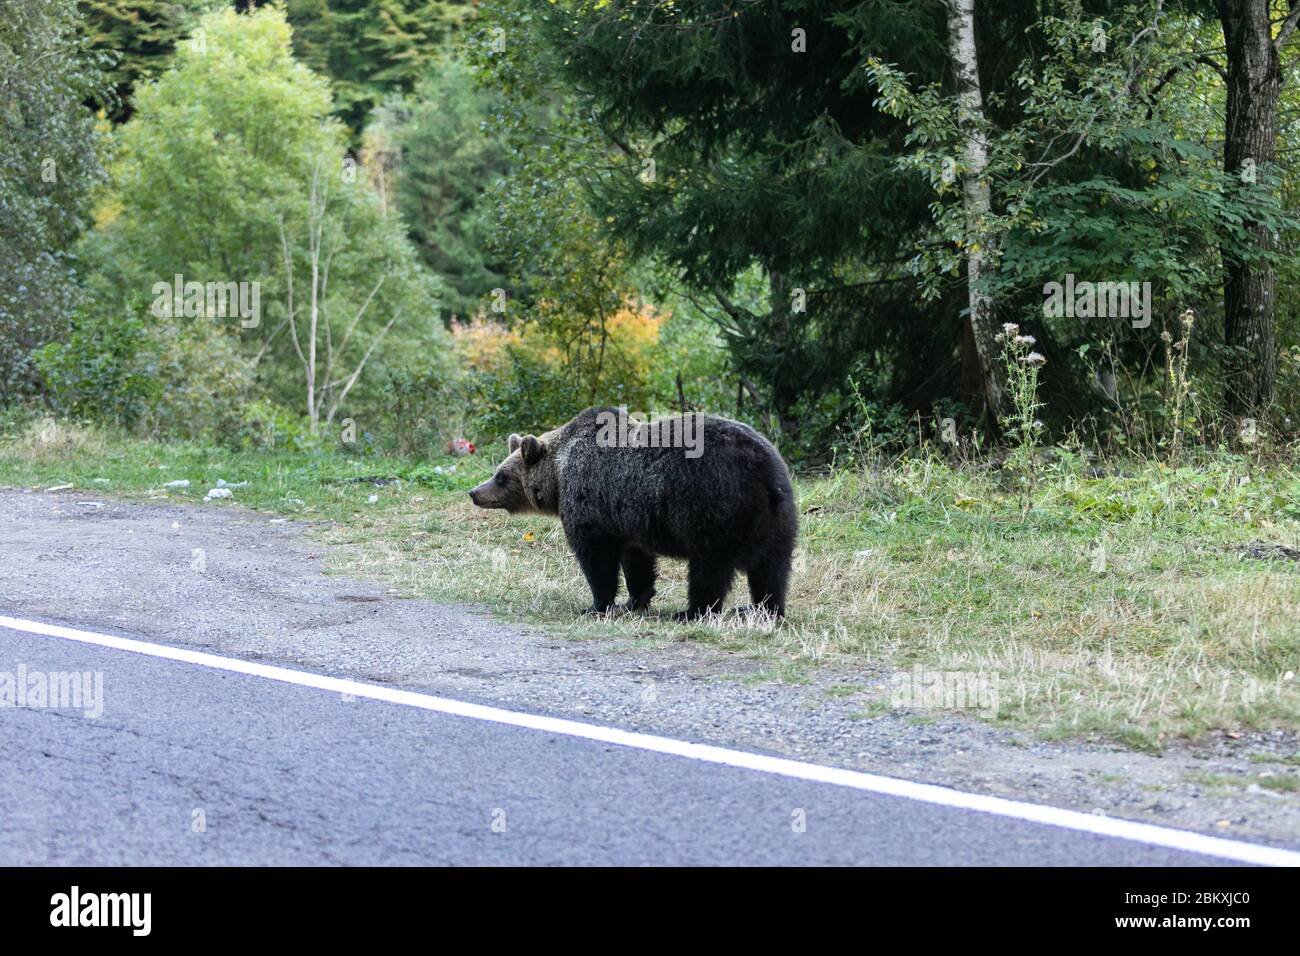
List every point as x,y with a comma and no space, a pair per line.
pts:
527,481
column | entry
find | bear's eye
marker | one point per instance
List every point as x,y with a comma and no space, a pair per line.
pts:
500,479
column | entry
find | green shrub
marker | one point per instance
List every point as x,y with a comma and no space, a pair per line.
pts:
265,426
425,409
103,370
206,381
533,397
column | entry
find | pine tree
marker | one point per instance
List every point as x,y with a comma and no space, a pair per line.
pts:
742,136
141,36
369,48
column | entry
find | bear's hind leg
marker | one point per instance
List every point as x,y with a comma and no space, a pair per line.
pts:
598,559
639,573
707,584
767,584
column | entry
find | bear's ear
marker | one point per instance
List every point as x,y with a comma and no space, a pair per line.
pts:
513,443
532,449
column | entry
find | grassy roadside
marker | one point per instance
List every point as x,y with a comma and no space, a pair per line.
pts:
1132,606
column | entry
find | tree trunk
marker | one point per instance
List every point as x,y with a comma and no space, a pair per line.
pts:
1254,81
313,239
977,201
972,381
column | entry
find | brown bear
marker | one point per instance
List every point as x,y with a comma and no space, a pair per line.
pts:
698,487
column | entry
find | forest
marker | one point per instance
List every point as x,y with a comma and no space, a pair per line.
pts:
815,217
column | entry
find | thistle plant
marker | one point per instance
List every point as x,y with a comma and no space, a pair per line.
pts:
1022,425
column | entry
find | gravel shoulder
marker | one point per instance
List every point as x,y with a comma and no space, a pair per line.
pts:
240,583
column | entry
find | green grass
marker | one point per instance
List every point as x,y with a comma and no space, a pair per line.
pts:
1121,606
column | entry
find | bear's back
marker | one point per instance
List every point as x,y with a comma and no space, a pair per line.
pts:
677,486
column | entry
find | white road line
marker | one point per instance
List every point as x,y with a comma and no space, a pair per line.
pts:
796,769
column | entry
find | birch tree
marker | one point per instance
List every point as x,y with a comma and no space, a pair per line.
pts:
976,199
324,363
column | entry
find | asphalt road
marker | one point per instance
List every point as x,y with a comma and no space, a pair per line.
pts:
189,765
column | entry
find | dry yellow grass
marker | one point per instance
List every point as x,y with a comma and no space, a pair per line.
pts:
48,442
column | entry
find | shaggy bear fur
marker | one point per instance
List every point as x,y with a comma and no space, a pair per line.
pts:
729,508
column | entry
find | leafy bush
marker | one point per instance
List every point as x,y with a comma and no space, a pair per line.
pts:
49,166
532,378
535,396
425,408
264,426
159,378
689,346
206,382
103,370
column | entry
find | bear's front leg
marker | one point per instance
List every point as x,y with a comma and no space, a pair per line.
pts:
598,558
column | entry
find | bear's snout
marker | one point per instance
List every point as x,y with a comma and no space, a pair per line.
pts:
482,495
